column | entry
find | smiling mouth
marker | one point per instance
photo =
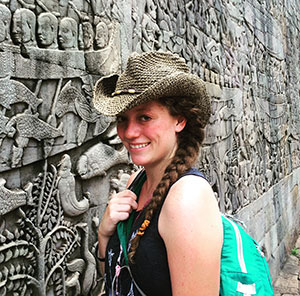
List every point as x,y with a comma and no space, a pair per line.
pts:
138,145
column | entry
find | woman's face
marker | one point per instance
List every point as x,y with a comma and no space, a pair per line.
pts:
148,131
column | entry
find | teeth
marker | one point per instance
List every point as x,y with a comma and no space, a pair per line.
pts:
138,146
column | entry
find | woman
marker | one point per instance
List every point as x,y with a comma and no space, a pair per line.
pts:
175,240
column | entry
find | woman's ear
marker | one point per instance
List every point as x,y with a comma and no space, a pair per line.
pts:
180,125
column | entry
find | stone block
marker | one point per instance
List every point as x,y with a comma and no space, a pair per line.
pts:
268,216
259,225
274,238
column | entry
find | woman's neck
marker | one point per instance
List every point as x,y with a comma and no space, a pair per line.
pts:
154,176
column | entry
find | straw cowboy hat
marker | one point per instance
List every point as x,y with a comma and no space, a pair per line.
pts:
150,76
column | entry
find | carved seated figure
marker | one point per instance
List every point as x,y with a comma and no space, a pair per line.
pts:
47,30
101,38
68,34
5,18
23,30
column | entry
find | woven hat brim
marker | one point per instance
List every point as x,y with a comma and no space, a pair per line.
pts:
174,85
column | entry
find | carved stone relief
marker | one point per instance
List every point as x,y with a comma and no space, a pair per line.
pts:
44,70
51,54
60,160
47,249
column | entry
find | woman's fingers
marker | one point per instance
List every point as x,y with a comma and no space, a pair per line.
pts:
118,209
120,206
126,197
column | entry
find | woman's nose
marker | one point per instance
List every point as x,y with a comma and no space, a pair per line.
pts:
132,130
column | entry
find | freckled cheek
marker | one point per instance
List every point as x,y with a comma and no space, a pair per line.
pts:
157,128
164,128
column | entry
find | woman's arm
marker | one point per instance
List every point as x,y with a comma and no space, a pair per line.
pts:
191,227
118,209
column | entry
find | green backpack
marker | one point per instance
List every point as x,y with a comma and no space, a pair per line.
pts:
244,269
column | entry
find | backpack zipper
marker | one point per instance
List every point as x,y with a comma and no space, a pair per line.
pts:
239,246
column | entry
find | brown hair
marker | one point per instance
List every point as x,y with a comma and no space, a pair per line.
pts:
189,142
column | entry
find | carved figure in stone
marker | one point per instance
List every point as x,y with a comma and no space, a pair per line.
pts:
106,60
10,199
23,27
67,190
47,30
98,159
90,268
151,34
5,19
29,126
12,91
68,34
71,100
101,36
88,36
167,35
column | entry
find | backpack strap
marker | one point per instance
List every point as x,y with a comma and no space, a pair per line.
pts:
124,227
137,183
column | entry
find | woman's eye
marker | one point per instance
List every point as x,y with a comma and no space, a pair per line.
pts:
145,118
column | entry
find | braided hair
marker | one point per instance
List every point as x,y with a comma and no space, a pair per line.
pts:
189,141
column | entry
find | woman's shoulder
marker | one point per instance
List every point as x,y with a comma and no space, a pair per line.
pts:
191,227
192,183
191,197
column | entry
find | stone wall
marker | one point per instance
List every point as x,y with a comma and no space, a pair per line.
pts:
60,159
274,219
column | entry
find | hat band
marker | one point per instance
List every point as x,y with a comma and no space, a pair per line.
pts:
125,91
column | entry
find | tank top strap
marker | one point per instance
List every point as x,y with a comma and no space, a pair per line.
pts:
195,172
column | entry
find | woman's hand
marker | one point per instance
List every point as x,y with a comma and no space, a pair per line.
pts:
118,209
